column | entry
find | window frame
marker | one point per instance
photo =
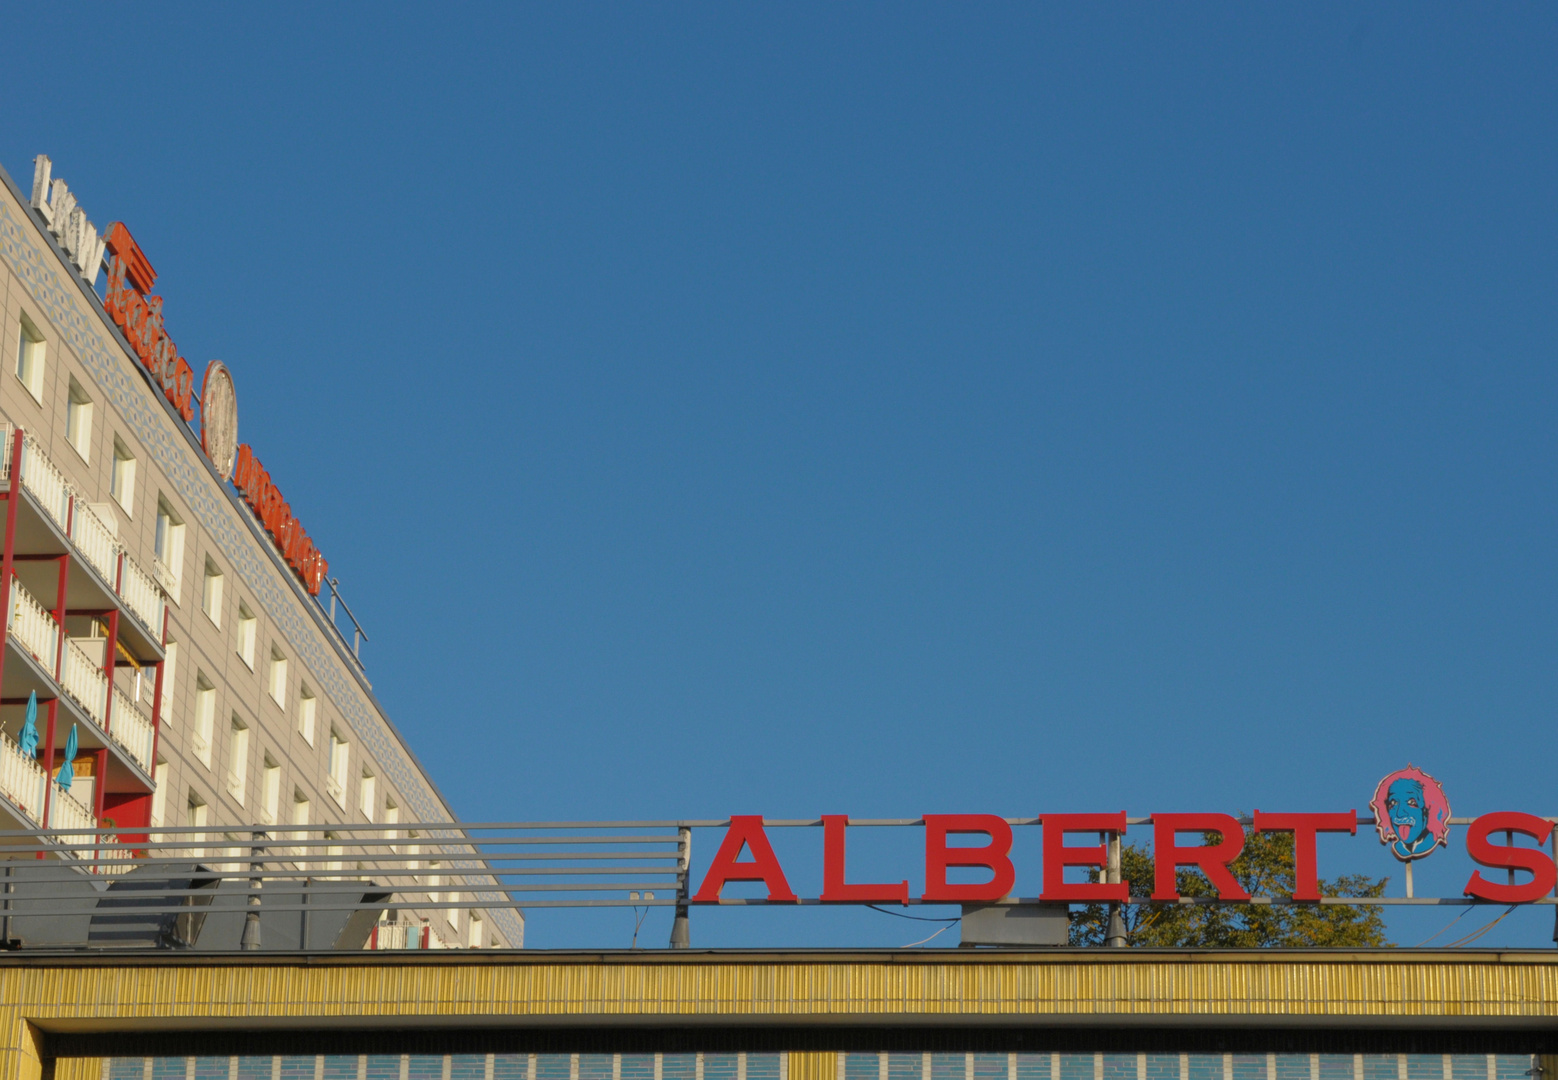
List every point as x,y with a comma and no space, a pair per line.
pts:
121,478
78,420
31,353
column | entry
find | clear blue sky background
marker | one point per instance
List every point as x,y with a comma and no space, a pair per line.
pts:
884,409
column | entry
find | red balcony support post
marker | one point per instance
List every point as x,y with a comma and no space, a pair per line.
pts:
59,614
99,793
8,560
48,763
109,656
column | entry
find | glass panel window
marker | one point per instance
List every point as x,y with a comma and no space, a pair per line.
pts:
169,665
270,791
78,420
300,817
340,762
243,642
367,794
205,718
168,547
238,762
159,797
121,480
278,677
29,358
211,593
306,711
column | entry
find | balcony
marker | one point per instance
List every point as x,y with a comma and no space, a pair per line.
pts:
82,680
79,610
58,521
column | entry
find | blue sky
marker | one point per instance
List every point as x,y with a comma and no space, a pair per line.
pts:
880,409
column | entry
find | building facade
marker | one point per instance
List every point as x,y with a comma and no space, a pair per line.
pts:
169,634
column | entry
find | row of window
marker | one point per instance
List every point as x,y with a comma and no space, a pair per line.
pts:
169,557
168,544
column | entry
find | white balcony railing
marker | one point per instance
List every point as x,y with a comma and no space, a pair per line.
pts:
66,813
47,484
21,778
33,627
84,681
96,544
130,729
142,597
92,539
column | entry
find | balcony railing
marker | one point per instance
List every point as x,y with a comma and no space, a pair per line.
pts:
130,729
66,813
91,538
21,778
96,544
47,484
142,597
84,681
33,626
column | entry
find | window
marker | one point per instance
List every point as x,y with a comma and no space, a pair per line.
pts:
238,761
244,641
340,756
306,704
121,480
367,789
165,714
211,593
300,818
391,816
159,797
278,677
434,880
333,852
454,914
270,791
29,359
168,545
78,420
197,814
474,941
205,718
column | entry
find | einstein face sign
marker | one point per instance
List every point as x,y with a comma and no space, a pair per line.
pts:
1411,813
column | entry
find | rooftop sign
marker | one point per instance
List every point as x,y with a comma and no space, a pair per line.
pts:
129,302
1412,817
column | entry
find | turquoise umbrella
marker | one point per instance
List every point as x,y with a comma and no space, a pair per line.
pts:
67,774
28,740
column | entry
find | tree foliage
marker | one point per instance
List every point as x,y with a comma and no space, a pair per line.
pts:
1264,868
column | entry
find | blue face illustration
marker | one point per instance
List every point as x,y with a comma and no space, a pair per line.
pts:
1408,814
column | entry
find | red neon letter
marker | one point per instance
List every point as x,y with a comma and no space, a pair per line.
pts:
746,830
1057,856
993,857
1543,874
1304,827
834,888
1211,859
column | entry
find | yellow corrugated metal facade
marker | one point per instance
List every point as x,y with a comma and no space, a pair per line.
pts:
85,994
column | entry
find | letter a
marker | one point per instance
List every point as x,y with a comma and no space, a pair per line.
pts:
746,830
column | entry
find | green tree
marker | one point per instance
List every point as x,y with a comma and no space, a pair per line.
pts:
1264,868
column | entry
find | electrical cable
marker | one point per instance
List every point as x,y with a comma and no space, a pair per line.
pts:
1464,912
1475,934
922,941
916,918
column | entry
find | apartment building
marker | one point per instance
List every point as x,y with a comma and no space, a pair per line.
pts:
163,606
